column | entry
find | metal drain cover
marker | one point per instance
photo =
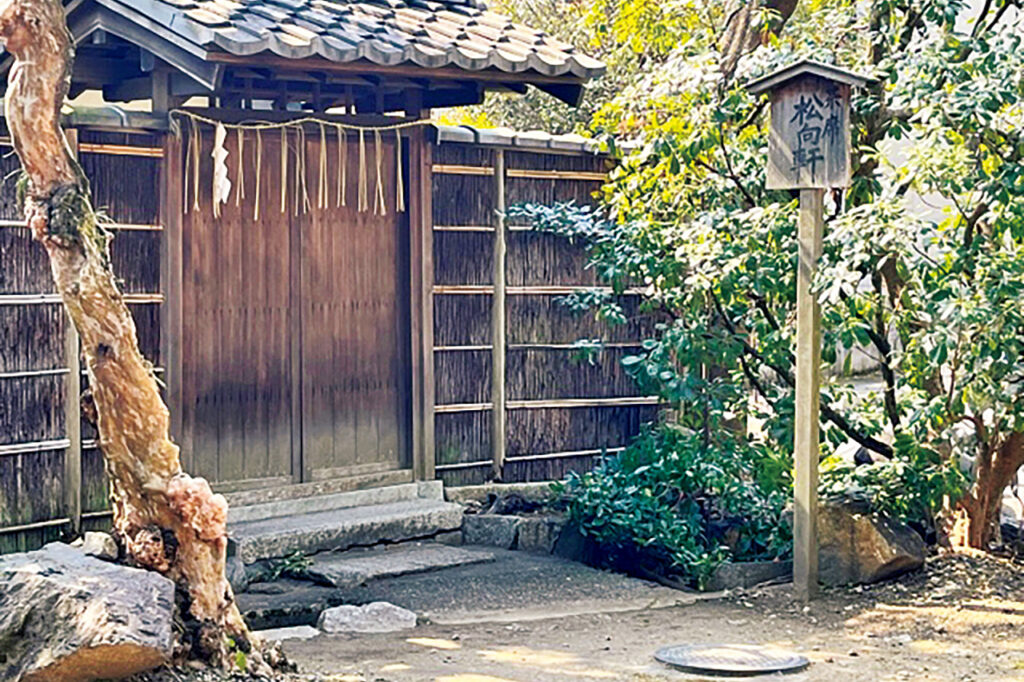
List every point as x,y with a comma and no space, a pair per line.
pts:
730,659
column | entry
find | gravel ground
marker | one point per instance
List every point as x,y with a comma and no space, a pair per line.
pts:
961,618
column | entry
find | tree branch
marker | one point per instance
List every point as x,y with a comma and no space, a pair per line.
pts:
787,378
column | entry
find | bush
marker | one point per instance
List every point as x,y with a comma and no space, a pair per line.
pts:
676,505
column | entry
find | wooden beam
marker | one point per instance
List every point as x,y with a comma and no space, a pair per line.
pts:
808,388
421,302
284,65
499,437
73,406
172,286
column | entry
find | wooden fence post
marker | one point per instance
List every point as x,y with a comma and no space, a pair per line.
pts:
421,301
498,322
808,388
73,406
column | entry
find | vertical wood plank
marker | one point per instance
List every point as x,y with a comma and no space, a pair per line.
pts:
808,387
498,322
421,302
171,318
295,289
73,407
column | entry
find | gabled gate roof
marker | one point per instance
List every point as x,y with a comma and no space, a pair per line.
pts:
429,41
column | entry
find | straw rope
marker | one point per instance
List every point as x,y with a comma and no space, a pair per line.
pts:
301,195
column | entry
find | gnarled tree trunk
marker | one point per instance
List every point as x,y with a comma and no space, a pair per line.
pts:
976,520
168,521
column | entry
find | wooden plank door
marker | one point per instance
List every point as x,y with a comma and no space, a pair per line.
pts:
236,352
354,320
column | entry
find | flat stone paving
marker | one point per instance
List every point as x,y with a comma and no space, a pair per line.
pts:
337,529
354,567
516,586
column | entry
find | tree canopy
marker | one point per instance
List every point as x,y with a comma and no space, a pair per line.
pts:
924,255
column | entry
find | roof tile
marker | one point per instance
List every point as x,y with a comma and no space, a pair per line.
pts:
459,33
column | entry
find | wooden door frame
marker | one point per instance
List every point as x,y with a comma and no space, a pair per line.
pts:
420,319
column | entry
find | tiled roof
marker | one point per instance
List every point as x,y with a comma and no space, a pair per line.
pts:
425,33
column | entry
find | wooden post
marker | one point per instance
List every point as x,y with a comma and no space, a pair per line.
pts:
73,407
421,302
498,318
808,150
171,286
808,389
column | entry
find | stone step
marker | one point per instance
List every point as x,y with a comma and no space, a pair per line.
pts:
306,498
338,529
358,566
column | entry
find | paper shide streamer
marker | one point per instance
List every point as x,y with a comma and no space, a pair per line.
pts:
292,171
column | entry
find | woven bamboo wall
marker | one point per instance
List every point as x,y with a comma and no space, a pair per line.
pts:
561,414
36,502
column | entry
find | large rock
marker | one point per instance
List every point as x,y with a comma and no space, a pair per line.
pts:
379,616
859,547
66,616
100,545
491,530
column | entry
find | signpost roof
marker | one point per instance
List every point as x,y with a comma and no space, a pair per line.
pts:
807,67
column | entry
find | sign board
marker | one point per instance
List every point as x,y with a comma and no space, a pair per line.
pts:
809,142
809,137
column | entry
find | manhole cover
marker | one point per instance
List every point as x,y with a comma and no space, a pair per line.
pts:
730,659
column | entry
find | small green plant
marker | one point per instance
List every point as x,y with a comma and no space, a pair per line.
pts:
912,487
676,505
293,565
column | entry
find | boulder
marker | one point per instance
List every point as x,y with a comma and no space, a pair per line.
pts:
379,616
67,616
236,574
857,546
100,545
539,534
491,530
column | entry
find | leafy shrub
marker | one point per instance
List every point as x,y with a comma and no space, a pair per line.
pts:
676,505
912,487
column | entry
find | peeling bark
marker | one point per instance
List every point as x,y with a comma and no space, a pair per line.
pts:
167,521
975,524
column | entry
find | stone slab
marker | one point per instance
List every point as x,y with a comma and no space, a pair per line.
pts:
294,632
355,567
338,529
749,574
375,617
491,530
321,502
516,586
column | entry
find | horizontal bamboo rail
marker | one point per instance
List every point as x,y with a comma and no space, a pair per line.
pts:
532,458
536,290
110,226
523,173
552,403
453,408
38,525
571,346
37,446
111,149
44,299
463,228
32,373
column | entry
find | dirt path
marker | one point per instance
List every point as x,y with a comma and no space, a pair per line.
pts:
960,619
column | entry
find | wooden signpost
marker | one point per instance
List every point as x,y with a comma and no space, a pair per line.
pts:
808,150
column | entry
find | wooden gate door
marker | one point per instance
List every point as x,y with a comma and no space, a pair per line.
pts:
295,352
354,320
237,379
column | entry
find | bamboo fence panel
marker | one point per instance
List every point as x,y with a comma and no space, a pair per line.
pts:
35,502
